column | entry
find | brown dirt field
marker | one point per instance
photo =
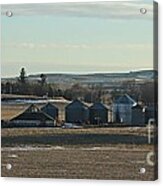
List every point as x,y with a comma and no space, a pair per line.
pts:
98,153
120,163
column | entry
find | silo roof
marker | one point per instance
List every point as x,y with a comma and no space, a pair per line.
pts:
98,106
125,99
76,104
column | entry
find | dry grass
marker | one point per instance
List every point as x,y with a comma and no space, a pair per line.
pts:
15,96
9,111
141,131
74,137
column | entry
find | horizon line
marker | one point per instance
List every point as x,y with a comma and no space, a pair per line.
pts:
80,73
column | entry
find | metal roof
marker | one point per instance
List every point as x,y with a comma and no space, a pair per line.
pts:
32,113
98,106
76,104
50,106
125,99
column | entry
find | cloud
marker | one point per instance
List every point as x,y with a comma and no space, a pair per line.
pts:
105,10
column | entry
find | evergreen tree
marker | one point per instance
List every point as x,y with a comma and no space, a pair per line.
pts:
43,79
22,77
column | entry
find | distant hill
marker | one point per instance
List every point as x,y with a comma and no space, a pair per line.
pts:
92,77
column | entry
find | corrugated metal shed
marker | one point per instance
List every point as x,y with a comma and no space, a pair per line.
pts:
51,110
98,114
32,117
122,109
76,112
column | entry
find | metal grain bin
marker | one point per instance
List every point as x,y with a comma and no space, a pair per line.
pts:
98,114
51,110
76,112
138,115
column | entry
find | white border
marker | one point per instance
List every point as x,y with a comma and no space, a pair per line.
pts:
48,1
41,182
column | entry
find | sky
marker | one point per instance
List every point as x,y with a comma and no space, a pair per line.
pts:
77,37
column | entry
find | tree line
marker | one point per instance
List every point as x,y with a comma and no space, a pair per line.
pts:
146,93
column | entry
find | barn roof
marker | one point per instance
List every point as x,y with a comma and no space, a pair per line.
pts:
125,99
50,106
32,113
76,104
32,108
98,106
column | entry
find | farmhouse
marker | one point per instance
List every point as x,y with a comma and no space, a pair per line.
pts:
76,112
51,110
138,115
98,114
122,109
32,117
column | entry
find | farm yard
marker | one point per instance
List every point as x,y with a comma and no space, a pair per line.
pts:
24,112
83,153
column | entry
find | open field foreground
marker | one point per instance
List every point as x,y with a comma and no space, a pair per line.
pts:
87,163
99,153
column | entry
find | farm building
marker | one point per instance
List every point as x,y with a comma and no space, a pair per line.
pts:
32,117
151,113
98,114
51,110
138,115
122,109
76,112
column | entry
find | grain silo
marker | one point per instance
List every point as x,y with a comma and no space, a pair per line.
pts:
138,115
76,112
122,109
98,114
51,110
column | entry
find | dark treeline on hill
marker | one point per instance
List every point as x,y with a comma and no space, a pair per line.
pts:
23,87
145,92
51,90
